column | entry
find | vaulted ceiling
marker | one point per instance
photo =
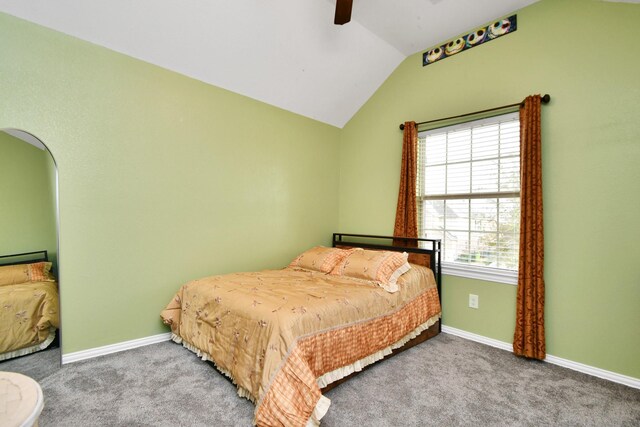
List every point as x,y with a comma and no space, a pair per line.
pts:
287,53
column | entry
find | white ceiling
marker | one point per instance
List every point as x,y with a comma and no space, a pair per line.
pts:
25,136
287,53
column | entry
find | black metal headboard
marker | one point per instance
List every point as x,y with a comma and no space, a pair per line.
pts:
411,245
24,258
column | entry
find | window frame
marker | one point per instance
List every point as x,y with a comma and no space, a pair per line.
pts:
493,274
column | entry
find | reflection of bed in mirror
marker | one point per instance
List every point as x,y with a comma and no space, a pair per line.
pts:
29,315
28,222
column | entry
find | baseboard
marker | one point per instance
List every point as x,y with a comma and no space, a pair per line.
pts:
575,366
114,348
477,338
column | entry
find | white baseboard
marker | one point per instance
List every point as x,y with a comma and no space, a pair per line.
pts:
477,338
580,367
114,348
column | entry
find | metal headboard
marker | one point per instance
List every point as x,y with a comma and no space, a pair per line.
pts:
406,244
24,258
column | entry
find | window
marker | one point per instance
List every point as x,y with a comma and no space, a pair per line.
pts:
469,195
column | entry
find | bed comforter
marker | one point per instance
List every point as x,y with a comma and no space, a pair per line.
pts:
28,317
280,333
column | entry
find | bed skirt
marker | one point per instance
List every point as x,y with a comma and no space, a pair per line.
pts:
323,404
31,349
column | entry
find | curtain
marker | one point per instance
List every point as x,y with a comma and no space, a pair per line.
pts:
406,224
528,339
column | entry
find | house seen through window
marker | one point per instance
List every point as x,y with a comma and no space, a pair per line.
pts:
469,194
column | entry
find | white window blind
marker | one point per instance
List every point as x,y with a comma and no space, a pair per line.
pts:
469,191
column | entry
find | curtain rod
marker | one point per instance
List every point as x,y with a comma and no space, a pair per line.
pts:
545,100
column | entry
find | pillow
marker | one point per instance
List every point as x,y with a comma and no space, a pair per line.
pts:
22,273
40,272
320,258
381,267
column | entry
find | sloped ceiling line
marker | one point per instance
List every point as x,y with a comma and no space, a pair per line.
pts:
287,53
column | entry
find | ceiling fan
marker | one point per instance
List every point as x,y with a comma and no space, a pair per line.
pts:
343,12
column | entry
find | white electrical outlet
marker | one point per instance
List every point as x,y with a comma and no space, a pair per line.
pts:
473,301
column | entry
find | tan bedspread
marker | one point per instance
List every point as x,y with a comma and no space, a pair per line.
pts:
275,332
27,313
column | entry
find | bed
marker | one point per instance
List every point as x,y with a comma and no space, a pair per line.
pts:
286,336
28,304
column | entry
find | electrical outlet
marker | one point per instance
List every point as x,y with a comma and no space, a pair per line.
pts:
473,301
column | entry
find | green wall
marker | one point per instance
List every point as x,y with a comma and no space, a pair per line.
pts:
162,178
584,54
27,203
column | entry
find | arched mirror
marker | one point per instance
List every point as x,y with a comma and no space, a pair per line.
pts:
29,261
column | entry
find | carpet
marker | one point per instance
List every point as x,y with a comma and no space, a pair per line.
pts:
447,381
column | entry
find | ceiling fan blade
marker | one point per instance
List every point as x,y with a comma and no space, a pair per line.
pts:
343,12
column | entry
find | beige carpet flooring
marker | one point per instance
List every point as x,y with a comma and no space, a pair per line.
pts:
447,381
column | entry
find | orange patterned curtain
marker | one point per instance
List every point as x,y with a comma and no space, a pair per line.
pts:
528,339
406,212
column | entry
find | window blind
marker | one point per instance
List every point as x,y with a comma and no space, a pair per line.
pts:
469,190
